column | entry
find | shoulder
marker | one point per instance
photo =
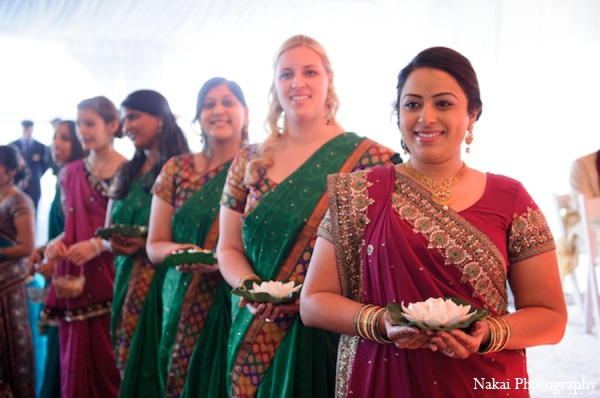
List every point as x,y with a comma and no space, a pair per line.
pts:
501,184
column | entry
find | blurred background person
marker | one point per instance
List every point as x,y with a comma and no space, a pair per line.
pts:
64,149
82,301
37,158
185,209
17,240
136,308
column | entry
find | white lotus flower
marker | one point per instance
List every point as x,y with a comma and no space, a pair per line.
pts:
437,312
276,289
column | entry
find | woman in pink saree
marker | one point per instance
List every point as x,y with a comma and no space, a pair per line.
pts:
433,228
88,367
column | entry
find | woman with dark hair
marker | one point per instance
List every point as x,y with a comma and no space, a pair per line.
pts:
196,299
136,309
65,148
272,203
17,239
427,231
81,295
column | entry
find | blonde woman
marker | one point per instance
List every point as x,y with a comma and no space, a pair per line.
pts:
272,203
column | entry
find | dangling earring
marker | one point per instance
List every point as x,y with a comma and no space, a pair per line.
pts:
159,128
469,139
328,107
403,145
244,135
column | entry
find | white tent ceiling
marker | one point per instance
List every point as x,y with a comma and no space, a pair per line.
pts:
538,62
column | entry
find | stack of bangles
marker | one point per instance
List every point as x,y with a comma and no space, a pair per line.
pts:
366,323
249,277
499,334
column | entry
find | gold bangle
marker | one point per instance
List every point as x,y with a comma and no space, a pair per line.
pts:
247,278
366,323
499,334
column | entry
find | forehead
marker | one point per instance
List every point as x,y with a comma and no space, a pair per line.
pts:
62,129
87,114
219,91
430,81
299,57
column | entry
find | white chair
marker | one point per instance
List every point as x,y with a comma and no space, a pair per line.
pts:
562,204
589,208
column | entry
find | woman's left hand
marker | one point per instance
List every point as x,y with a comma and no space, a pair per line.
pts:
458,344
269,311
126,246
82,252
198,267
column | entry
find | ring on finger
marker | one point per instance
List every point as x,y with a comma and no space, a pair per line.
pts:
268,320
449,353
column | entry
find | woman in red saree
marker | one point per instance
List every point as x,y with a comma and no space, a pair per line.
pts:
433,228
86,356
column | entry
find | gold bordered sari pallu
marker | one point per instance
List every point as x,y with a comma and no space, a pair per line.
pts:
193,297
277,235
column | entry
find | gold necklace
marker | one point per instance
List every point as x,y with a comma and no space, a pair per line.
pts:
439,194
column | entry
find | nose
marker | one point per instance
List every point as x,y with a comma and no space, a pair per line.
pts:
217,109
427,115
297,80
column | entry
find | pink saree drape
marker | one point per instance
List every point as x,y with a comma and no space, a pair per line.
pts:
88,367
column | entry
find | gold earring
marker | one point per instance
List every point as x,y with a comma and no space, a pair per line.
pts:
469,138
404,147
328,107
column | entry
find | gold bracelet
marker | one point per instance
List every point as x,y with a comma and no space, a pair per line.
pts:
366,323
499,334
247,278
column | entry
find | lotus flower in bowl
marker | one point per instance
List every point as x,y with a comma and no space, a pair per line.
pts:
276,289
437,312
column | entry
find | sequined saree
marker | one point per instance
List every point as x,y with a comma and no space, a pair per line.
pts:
286,358
136,307
196,306
16,349
86,355
393,244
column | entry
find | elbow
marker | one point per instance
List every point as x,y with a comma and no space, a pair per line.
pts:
306,312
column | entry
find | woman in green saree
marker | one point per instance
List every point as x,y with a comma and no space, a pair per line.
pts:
196,299
136,306
272,204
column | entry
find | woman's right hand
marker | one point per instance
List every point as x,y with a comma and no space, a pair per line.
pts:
405,336
56,250
269,311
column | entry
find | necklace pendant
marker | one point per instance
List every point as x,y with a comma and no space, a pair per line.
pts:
441,197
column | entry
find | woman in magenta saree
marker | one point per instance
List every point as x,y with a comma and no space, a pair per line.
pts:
394,235
83,315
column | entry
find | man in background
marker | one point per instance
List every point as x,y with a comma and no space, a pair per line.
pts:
37,157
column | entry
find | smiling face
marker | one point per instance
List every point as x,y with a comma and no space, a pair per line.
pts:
61,144
433,115
223,115
142,128
93,132
302,83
